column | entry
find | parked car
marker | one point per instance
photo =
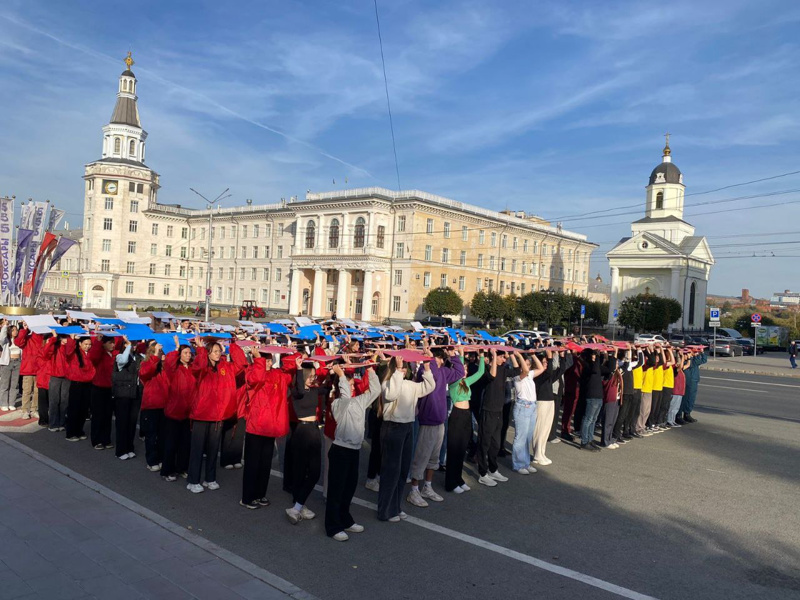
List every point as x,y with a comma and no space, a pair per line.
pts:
725,346
528,336
649,338
748,347
435,321
699,340
679,340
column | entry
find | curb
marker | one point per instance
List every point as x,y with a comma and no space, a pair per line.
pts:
240,563
792,374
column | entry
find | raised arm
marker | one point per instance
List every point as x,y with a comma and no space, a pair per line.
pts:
538,367
472,379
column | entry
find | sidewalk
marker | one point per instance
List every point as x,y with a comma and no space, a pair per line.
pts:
775,364
66,537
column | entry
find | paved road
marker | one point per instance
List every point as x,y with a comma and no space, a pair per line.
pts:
705,511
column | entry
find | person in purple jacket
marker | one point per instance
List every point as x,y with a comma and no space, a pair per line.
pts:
446,368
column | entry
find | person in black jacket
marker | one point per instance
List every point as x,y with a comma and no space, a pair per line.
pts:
126,390
598,366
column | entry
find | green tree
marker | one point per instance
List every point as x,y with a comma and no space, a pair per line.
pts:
742,324
488,306
443,301
531,307
646,312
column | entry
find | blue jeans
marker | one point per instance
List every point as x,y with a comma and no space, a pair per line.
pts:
674,405
793,361
593,406
524,424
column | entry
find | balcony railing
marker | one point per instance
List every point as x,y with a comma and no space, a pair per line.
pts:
340,251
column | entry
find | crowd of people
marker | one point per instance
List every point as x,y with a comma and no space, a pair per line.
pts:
427,400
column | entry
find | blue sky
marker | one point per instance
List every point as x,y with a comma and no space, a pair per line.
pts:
555,108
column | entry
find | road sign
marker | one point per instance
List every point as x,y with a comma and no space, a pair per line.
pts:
208,291
755,324
65,274
755,318
616,313
80,294
713,315
713,323
583,311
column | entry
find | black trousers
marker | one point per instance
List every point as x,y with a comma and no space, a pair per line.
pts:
232,442
475,409
504,429
152,420
624,410
287,460
78,407
557,401
205,440
489,428
126,411
258,449
459,432
610,413
177,442
655,406
342,482
396,454
666,398
44,407
633,414
374,465
306,460
102,410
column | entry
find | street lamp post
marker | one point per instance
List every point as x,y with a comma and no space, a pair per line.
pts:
644,304
210,204
549,298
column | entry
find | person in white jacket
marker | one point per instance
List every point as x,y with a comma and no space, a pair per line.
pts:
10,360
349,413
400,396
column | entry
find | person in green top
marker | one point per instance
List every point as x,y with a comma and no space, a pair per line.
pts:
459,424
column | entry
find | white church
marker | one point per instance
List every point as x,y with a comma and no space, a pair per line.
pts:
663,256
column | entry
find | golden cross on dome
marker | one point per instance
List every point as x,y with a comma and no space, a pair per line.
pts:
667,151
129,61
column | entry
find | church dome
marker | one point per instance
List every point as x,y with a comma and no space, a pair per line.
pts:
666,172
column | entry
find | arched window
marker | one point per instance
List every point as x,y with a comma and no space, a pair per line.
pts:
692,295
333,234
381,235
311,234
117,145
659,200
132,148
358,233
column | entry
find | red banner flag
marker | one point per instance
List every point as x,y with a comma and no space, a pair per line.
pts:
49,244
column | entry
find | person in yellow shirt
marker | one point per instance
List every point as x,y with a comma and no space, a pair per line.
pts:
658,387
647,391
666,392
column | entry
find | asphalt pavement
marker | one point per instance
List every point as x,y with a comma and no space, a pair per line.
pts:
705,511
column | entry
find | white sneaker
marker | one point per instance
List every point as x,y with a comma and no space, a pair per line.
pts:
415,498
211,485
458,490
402,514
35,415
543,462
131,454
26,415
498,476
531,469
170,478
4,408
487,481
355,528
295,517
613,446
228,467
341,537
125,457
523,471
373,485
465,487
195,488
555,441
307,514
238,465
395,519
427,492
154,468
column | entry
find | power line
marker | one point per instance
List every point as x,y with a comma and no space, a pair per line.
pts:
388,104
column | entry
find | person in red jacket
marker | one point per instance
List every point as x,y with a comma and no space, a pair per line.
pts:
43,368
154,398
266,417
31,344
102,356
177,431
80,372
214,401
58,386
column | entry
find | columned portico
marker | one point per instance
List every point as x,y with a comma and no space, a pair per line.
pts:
294,293
342,302
318,298
366,296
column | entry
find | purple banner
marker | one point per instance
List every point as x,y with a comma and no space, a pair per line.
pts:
6,248
37,219
24,237
55,218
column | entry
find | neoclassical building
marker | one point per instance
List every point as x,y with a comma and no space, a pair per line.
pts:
663,256
367,253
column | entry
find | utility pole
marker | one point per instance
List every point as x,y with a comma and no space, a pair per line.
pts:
210,204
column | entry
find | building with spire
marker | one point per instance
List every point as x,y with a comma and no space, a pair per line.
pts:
663,256
367,253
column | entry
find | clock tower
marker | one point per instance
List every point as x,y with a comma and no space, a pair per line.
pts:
118,188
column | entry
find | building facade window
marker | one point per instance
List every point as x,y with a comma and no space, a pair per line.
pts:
168,250
426,279
428,252
445,255
462,260
128,287
399,250
151,288
311,234
130,267
105,265
379,238
131,247
154,229
107,224
396,303
109,204
106,246
481,237
429,226
401,225
333,234
464,233
446,229
134,206
462,283
443,280
398,277
133,226
358,233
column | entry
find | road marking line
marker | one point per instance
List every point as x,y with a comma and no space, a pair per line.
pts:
755,382
726,387
535,562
